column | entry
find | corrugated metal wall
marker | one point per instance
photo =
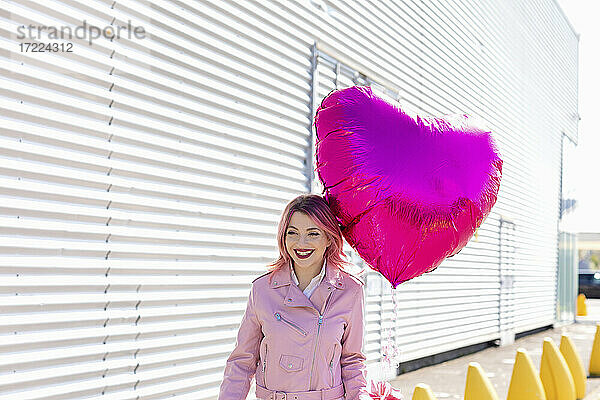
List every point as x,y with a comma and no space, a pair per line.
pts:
487,291
142,179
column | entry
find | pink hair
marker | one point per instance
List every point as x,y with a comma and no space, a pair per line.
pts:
317,208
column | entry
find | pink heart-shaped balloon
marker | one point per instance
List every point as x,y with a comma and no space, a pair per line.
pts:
406,193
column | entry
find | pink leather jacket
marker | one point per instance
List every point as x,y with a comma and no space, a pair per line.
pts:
299,346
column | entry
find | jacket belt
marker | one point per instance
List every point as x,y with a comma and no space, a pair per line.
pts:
323,394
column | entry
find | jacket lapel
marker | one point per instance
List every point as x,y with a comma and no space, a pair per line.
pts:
294,296
331,282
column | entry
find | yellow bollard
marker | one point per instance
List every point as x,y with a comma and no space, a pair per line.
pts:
554,372
581,306
478,385
595,357
423,392
567,349
525,383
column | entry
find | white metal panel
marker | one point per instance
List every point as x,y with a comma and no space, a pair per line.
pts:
141,184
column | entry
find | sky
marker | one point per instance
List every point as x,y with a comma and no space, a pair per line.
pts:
582,174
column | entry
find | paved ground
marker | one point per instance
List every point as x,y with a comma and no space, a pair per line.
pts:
447,380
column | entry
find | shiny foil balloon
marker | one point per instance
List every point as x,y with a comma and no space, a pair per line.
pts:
407,192
380,390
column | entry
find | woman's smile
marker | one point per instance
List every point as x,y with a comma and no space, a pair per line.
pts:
303,253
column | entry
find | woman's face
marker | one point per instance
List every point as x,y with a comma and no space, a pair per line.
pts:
305,242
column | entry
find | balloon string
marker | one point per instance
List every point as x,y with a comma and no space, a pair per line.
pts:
391,353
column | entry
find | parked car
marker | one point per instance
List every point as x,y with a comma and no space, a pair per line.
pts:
589,284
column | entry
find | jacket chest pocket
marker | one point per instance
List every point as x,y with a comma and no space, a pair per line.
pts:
291,363
289,323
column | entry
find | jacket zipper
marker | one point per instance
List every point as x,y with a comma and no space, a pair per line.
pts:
315,352
264,366
317,340
331,365
290,323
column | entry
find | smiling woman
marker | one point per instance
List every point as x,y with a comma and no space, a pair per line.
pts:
303,324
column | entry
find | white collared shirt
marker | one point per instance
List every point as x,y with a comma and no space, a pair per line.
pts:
313,283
